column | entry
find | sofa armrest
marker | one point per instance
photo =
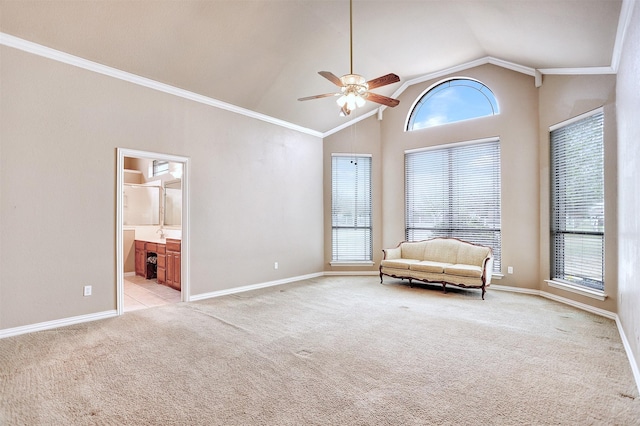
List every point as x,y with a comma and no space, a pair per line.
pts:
393,253
487,270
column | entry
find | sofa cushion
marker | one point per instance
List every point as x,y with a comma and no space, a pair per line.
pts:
469,254
441,250
394,253
399,263
429,266
413,250
463,270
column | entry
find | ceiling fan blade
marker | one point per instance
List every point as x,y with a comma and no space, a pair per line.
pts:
379,99
331,77
383,81
326,95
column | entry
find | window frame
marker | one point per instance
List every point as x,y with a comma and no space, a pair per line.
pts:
452,219
559,279
419,101
367,254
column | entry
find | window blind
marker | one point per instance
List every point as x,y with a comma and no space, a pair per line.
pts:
577,202
351,208
160,167
455,192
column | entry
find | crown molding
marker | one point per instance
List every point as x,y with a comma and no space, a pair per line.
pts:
66,58
626,12
578,71
463,67
441,73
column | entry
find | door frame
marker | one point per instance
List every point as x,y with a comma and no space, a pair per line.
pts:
184,272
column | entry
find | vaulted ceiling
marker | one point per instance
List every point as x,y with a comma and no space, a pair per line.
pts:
262,55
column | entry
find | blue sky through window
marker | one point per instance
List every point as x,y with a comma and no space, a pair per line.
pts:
451,101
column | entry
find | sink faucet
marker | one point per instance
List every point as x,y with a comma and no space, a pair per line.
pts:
161,231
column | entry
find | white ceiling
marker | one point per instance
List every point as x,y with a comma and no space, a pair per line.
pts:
262,55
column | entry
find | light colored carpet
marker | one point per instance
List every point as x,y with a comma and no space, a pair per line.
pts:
329,351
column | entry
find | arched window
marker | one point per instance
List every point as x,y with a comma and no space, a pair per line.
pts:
450,101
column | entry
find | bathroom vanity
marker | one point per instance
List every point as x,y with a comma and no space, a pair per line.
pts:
160,261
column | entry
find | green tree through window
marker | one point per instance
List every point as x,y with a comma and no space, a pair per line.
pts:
577,202
455,192
351,208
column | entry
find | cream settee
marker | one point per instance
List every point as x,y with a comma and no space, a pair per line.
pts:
440,260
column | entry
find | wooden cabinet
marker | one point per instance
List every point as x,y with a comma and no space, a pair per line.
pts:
143,268
141,259
161,265
167,268
173,259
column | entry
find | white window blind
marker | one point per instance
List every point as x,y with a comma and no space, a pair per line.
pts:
577,202
160,167
455,192
351,208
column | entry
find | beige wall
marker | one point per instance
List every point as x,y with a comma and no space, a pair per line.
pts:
526,113
257,193
256,188
517,128
628,106
562,98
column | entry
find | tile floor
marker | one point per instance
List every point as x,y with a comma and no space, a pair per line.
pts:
140,293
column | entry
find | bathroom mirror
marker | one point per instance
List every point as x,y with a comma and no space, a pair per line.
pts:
173,202
141,205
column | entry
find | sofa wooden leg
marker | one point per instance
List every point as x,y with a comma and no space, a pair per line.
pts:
444,288
410,283
483,292
380,277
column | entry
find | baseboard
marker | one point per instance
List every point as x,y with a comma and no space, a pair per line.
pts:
130,274
514,289
351,273
564,300
48,325
579,305
242,289
627,348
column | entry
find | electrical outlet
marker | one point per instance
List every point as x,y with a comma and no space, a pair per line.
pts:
510,269
275,265
87,290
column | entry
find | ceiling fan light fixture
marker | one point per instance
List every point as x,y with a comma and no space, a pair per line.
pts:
351,101
352,98
354,88
355,80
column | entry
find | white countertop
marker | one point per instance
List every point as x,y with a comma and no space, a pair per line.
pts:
151,234
156,240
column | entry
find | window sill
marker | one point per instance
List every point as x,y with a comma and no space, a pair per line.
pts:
352,263
594,294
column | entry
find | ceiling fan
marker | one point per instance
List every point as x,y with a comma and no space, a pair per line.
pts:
354,88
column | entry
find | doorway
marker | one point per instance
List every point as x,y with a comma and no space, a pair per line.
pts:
155,236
